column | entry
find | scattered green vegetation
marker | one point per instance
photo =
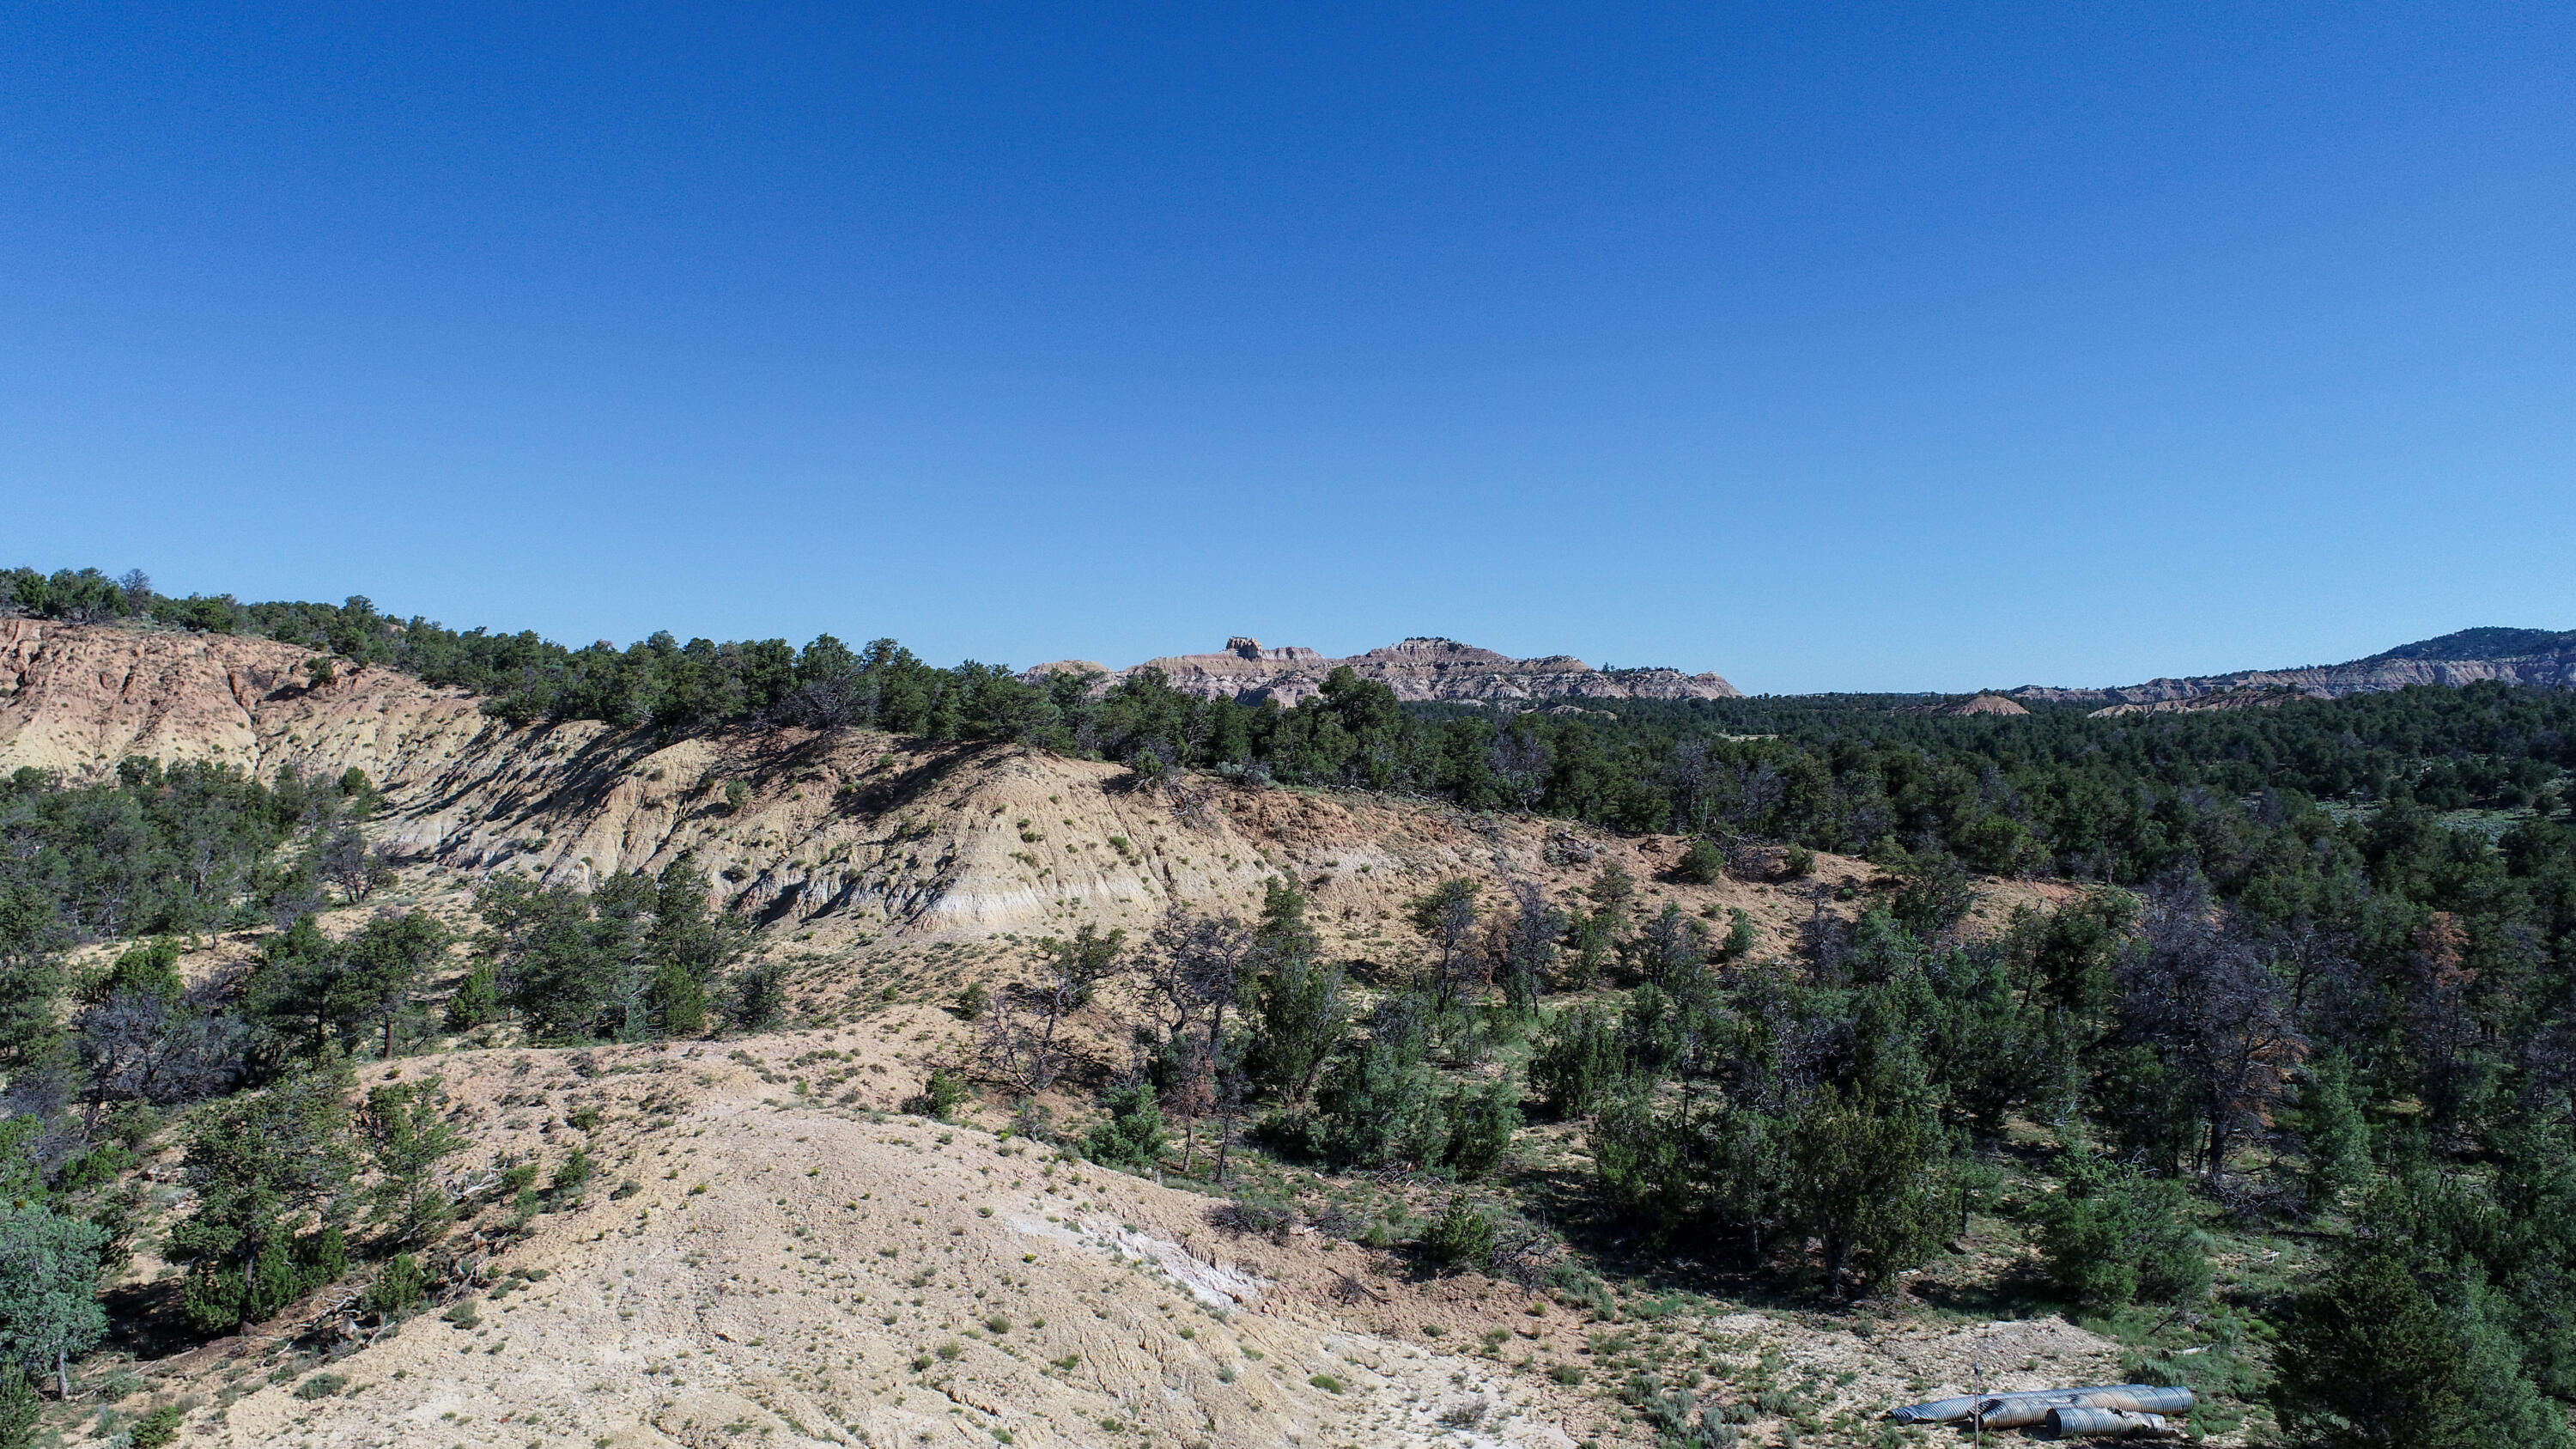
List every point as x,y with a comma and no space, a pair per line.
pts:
2280,1091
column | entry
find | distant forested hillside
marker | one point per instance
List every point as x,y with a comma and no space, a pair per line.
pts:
2482,644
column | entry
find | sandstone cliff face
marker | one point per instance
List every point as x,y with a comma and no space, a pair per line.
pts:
1417,669
2552,666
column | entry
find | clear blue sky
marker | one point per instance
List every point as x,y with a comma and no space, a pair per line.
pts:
1896,346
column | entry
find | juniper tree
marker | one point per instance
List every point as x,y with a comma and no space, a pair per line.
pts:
270,1170
49,1308
406,1134
383,968
1299,1011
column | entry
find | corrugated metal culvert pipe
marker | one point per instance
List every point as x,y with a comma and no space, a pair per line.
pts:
2030,1406
2021,1411
2075,1422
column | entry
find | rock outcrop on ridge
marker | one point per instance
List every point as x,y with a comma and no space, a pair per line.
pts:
1417,669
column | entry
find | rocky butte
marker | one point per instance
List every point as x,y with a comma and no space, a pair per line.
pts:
1417,669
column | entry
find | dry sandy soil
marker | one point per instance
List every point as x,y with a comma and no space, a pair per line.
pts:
769,1257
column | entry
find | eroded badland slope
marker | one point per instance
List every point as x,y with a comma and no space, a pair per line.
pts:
771,1253
858,838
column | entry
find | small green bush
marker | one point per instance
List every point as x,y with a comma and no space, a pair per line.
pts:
1580,1060
1462,1236
1576,1288
2115,1235
399,1284
321,1386
1741,937
19,1408
757,995
1134,1135
573,1174
941,1095
1702,864
158,1428
1481,1125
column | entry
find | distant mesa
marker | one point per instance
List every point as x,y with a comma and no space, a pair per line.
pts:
2542,658
1416,669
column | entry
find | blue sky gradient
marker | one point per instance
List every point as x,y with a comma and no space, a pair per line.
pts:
1895,347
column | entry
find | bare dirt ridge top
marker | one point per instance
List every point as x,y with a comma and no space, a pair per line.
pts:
1416,669
768,1252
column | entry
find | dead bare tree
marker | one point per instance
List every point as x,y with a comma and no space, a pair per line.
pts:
1447,917
348,862
1190,1087
1024,1043
1521,761
1695,771
137,1046
1525,948
1670,946
1757,789
1195,966
2442,1018
2200,994
835,689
